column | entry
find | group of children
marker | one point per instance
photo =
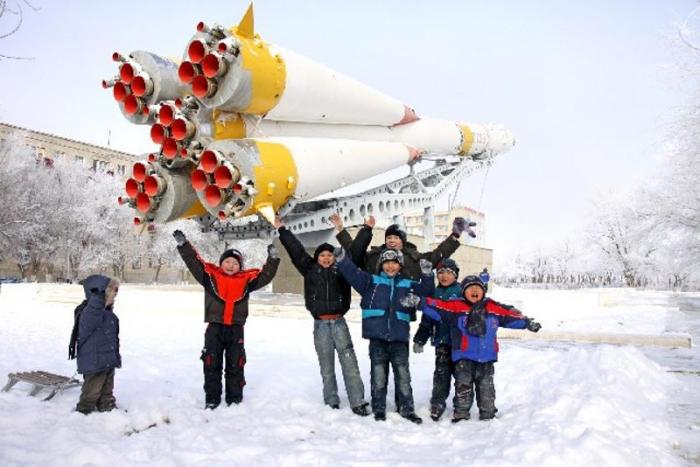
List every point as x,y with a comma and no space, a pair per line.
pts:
394,280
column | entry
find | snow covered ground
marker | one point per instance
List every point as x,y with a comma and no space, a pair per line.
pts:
558,405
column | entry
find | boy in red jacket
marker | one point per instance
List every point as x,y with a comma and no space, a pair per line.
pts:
226,290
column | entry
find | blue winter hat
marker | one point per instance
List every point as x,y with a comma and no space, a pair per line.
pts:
472,280
450,265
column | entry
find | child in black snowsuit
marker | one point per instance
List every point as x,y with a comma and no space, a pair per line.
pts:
327,297
439,333
97,344
226,290
474,322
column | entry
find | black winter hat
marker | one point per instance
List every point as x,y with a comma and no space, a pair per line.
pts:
232,253
450,264
472,280
394,229
321,248
390,255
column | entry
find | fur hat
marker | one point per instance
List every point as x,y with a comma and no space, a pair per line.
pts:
321,248
232,253
472,280
394,229
389,255
450,265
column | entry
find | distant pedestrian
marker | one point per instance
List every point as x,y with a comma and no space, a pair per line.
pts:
485,277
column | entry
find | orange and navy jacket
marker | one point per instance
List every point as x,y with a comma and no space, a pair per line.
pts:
466,346
226,297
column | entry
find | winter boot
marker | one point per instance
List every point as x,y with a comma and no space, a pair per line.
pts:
362,410
413,418
487,415
380,416
458,417
436,412
211,405
335,406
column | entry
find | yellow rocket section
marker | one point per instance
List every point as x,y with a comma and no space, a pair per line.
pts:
275,179
268,72
467,138
230,127
196,210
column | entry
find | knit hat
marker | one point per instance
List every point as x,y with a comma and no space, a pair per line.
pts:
321,248
232,253
450,265
472,280
394,229
390,255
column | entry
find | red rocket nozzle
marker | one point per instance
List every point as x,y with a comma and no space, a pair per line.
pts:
209,161
121,201
152,158
202,27
142,86
139,220
117,57
132,105
203,87
154,185
171,148
187,72
181,129
197,50
158,133
199,180
213,65
126,73
132,188
222,215
144,203
120,91
213,196
165,114
138,172
223,177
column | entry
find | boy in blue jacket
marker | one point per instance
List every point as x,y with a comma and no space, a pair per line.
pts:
385,322
439,333
98,345
474,322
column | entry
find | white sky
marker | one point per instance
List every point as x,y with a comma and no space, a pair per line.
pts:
587,87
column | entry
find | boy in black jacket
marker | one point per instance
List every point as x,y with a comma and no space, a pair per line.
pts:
226,291
327,297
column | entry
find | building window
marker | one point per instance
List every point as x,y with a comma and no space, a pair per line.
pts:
99,166
121,169
80,160
59,155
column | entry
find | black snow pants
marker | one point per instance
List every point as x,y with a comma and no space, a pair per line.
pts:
471,376
223,343
442,377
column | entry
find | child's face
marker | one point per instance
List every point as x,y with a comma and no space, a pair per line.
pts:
326,259
394,242
473,294
230,266
391,268
446,278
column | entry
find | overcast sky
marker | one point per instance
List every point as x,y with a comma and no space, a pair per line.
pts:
587,87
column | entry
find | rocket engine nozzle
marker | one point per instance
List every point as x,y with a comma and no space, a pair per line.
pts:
142,85
210,160
188,71
203,87
154,185
159,133
197,50
214,65
120,91
182,128
139,172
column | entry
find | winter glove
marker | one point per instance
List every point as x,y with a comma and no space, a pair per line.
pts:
410,301
417,348
272,251
426,267
180,237
339,254
460,224
532,325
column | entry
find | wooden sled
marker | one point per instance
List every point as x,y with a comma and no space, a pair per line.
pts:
56,384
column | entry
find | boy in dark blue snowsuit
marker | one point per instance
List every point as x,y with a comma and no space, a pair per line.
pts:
439,333
474,322
385,322
98,345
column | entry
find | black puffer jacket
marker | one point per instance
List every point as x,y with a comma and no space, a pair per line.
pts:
325,290
367,260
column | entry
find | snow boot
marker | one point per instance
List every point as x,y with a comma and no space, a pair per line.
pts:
380,416
335,406
487,416
456,418
211,405
362,410
413,418
436,412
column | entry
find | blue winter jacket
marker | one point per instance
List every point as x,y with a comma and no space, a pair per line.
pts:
437,331
466,346
98,330
383,316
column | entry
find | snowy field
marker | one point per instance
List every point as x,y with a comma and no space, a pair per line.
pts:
558,405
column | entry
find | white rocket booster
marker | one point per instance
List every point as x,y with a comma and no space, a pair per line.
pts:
265,126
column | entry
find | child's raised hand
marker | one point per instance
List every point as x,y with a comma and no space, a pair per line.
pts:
426,267
179,237
339,254
410,301
532,325
337,221
272,251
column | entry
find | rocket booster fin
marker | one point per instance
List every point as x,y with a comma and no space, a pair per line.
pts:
246,27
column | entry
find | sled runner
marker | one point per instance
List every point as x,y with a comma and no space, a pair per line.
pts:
56,384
